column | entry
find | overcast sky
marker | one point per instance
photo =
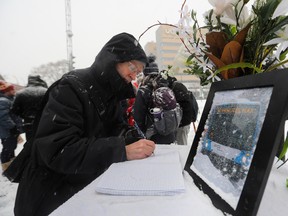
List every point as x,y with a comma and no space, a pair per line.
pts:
33,32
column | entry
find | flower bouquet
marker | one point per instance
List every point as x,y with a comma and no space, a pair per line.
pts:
240,37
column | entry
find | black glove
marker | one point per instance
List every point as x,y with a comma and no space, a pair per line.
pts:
131,136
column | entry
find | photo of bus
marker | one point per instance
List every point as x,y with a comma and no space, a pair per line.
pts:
230,137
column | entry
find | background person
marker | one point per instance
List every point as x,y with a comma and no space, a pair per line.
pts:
189,106
27,102
79,134
10,124
145,102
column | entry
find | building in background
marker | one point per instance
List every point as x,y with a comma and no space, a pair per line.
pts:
167,46
169,51
150,48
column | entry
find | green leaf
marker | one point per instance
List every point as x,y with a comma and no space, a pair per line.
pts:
238,65
284,150
189,59
277,26
283,55
277,65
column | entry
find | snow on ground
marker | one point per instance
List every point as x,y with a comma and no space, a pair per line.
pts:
8,191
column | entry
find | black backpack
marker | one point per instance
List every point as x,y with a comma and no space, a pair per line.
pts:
169,117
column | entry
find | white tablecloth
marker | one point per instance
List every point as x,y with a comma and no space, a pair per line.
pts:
193,202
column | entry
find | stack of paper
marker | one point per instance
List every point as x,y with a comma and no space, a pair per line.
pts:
160,174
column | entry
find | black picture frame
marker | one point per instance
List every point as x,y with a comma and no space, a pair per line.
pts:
266,144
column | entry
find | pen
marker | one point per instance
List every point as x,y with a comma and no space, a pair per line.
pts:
140,132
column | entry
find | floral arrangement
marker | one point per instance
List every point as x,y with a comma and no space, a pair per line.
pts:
240,37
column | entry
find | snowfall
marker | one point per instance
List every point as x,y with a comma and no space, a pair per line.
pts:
275,195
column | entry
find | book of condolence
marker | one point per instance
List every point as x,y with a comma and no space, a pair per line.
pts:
160,174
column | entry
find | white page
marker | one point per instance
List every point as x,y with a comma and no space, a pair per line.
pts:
160,174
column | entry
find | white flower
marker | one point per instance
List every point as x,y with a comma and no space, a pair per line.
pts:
184,22
213,18
185,16
213,77
221,5
203,65
281,9
182,30
196,49
229,16
282,40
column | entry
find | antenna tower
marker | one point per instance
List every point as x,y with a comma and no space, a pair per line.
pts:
69,35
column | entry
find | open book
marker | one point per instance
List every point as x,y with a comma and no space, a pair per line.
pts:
160,174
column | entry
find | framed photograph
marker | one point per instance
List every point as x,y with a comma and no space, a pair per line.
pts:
237,139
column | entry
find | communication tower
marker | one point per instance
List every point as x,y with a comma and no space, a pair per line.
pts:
69,35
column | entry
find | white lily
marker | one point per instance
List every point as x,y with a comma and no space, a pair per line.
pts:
282,40
221,5
281,10
229,16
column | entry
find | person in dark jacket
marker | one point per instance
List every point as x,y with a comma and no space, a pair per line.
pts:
184,98
152,66
27,102
10,124
79,134
189,106
144,102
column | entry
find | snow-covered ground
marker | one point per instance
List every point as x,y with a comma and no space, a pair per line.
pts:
276,186
8,190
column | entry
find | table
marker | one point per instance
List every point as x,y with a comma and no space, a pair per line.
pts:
192,202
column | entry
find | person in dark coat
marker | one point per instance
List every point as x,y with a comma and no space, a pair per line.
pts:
77,138
188,105
144,102
27,102
10,124
152,66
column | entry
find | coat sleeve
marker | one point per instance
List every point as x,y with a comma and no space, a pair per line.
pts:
17,107
67,140
141,108
184,98
5,119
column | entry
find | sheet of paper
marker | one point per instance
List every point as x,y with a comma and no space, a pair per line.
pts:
160,174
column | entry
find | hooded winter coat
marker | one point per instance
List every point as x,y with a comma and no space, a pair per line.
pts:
27,102
76,140
7,119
